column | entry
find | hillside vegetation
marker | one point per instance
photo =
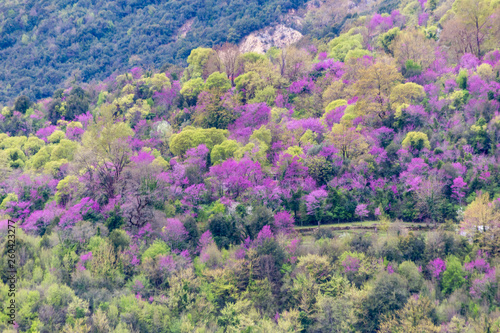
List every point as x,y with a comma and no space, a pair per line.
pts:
166,201
43,43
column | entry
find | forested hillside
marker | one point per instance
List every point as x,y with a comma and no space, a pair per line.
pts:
173,200
43,43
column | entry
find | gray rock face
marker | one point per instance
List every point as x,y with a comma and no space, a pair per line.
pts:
262,40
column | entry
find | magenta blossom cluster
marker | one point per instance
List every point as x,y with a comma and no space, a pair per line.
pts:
479,264
436,267
302,85
481,286
314,200
264,235
384,23
174,233
45,132
283,222
76,213
361,210
351,264
83,259
205,240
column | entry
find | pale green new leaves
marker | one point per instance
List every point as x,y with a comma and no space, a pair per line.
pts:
56,137
157,81
197,60
340,46
192,88
417,140
218,81
223,151
406,93
192,137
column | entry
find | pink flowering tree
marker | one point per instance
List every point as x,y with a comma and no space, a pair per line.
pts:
174,233
291,173
302,85
78,212
479,264
205,240
166,97
379,23
252,117
484,285
83,259
316,204
141,190
354,267
429,195
74,133
351,264
193,196
231,178
264,235
362,211
283,222
39,220
292,249
197,157
458,189
436,267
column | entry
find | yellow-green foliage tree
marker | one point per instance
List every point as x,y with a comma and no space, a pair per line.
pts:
191,137
416,140
11,197
386,39
416,316
33,145
375,85
16,157
56,137
294,151
480,215
212,111
248,84
197,61
157,82
257,147
40,158
191,89
105,151
348,141
476,16
67,189
332,106
406,93
65,149
218,82
412,44
266,95
223,151
142,107
340,46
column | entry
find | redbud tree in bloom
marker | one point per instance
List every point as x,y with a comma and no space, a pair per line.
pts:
316,204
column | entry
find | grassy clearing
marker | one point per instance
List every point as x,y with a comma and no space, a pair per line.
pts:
344,224
357,224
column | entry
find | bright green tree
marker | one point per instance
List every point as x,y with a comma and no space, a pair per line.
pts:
191,137
417,140
218,82
453,276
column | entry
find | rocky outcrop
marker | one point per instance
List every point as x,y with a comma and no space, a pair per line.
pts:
262,40
181,33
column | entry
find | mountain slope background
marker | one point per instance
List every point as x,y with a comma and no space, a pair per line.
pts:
43,43
171,200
